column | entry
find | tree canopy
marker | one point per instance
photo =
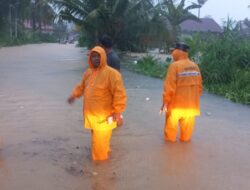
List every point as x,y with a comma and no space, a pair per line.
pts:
133,24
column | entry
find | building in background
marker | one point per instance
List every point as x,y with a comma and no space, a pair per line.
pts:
205,25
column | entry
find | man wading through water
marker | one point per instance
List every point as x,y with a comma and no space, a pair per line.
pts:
181,95
104,99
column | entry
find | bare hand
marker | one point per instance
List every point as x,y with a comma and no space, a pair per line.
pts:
163,109
71,100
118,118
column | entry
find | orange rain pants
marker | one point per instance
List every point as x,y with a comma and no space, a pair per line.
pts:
186,127
101,144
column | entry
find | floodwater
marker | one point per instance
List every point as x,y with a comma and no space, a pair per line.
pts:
46,148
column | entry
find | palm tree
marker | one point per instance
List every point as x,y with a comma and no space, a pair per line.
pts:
41,13
117,18
132,24
139,26
12,13
175,14
201,3
83,13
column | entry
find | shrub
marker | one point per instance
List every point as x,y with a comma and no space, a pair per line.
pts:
225,66
151,66
230,67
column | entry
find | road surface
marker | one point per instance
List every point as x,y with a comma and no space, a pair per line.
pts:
46,148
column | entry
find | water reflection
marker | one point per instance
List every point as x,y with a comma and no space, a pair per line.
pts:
102,176
4,172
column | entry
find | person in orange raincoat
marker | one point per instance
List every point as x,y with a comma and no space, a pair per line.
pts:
181,95
104,99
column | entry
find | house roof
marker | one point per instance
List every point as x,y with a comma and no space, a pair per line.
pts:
206,25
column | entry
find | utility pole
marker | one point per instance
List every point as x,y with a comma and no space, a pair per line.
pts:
10,21
33,4
15,21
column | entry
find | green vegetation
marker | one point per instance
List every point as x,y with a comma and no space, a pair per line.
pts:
151,66
136,25
225,67
133,25
224,62
27,38
23,21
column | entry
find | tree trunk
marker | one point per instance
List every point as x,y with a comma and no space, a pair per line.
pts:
33,19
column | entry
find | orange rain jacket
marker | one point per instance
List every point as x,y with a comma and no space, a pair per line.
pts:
182,86
103,91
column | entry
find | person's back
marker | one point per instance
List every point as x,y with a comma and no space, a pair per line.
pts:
188,87
113,60
181,95
112,57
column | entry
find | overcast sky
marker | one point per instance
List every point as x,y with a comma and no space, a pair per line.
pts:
219,10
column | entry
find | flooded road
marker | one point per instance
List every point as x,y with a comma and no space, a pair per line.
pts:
46,148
